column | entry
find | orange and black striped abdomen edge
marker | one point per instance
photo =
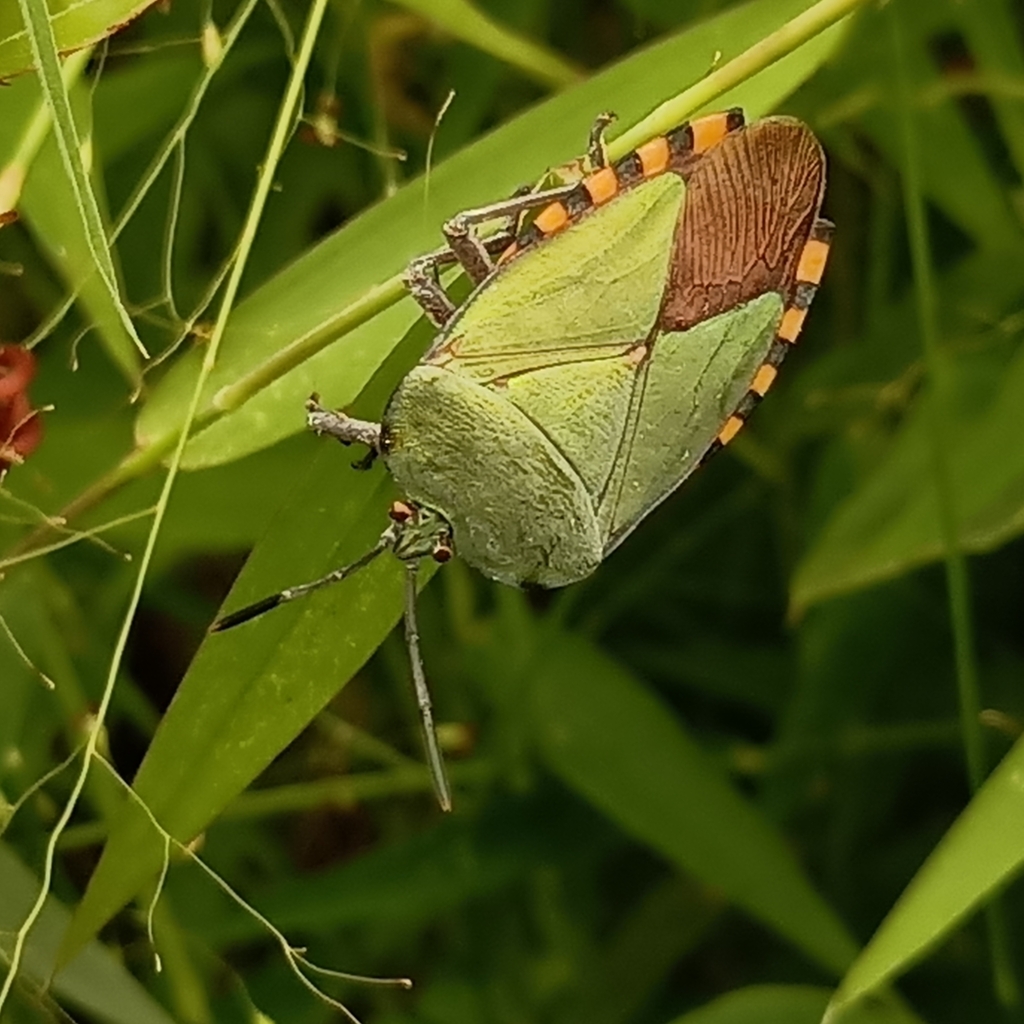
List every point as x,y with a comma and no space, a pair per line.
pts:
810,268
675,151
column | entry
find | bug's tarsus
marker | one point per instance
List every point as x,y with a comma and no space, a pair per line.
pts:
597,152
245,614
435,761
367,461
468,248
421,279
338,425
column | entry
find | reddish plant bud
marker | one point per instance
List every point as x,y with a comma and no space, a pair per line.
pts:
21,427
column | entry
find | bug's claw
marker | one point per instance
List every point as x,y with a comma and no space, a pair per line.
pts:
367,461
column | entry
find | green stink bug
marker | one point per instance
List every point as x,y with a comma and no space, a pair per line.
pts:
612,343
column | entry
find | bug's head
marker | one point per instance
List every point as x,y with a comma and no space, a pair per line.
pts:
419,532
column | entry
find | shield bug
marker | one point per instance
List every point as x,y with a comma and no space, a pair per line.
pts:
621,330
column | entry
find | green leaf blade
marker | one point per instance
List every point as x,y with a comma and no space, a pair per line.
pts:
54,89
890,524
593,717
981,851
75,26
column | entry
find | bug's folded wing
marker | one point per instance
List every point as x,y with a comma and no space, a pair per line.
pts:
751,205
591,291
692,383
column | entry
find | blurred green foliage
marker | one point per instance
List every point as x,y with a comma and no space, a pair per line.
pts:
687,789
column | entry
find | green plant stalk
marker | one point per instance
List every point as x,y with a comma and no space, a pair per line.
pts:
74,536
854,743
282,131
467,22
44,55
1005,983
794,33
359,743
347,791
367,306
939,378
176,137
384,295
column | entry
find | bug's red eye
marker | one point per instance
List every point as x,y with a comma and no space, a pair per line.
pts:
443,552
400,512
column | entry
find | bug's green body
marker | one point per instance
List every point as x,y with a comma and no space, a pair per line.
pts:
557,406
493,440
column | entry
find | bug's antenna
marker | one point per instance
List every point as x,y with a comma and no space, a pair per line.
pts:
290,593
412,642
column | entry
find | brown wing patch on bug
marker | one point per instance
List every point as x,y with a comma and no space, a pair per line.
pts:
750,206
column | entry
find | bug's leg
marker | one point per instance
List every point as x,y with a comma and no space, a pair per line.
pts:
477,255
468,247
345,428
252,611
421,276
421,279
367,461
435,760
596,150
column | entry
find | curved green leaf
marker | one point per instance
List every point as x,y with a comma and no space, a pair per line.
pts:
982,850
593,717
